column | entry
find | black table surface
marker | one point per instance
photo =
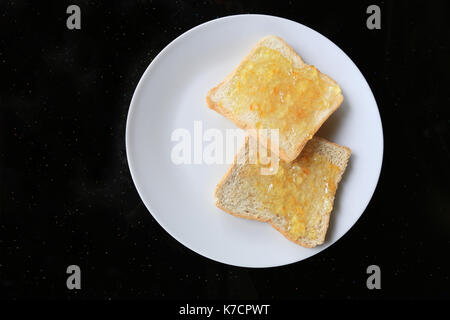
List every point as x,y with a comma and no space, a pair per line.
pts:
67,196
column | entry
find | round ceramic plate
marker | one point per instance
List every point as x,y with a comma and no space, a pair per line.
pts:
171,95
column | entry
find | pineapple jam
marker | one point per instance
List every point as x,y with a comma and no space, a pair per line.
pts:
281,95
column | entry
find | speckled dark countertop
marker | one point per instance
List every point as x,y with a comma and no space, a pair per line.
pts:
67,196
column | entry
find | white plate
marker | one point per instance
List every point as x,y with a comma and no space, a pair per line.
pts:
171,94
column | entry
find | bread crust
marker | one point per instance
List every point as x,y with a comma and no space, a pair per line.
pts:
283,154
325,223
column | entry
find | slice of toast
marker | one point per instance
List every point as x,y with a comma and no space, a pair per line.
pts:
273,88
297,200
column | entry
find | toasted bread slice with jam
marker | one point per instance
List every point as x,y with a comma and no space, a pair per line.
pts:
297,199
273,88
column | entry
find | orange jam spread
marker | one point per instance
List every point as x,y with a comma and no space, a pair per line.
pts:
298,191
281,95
